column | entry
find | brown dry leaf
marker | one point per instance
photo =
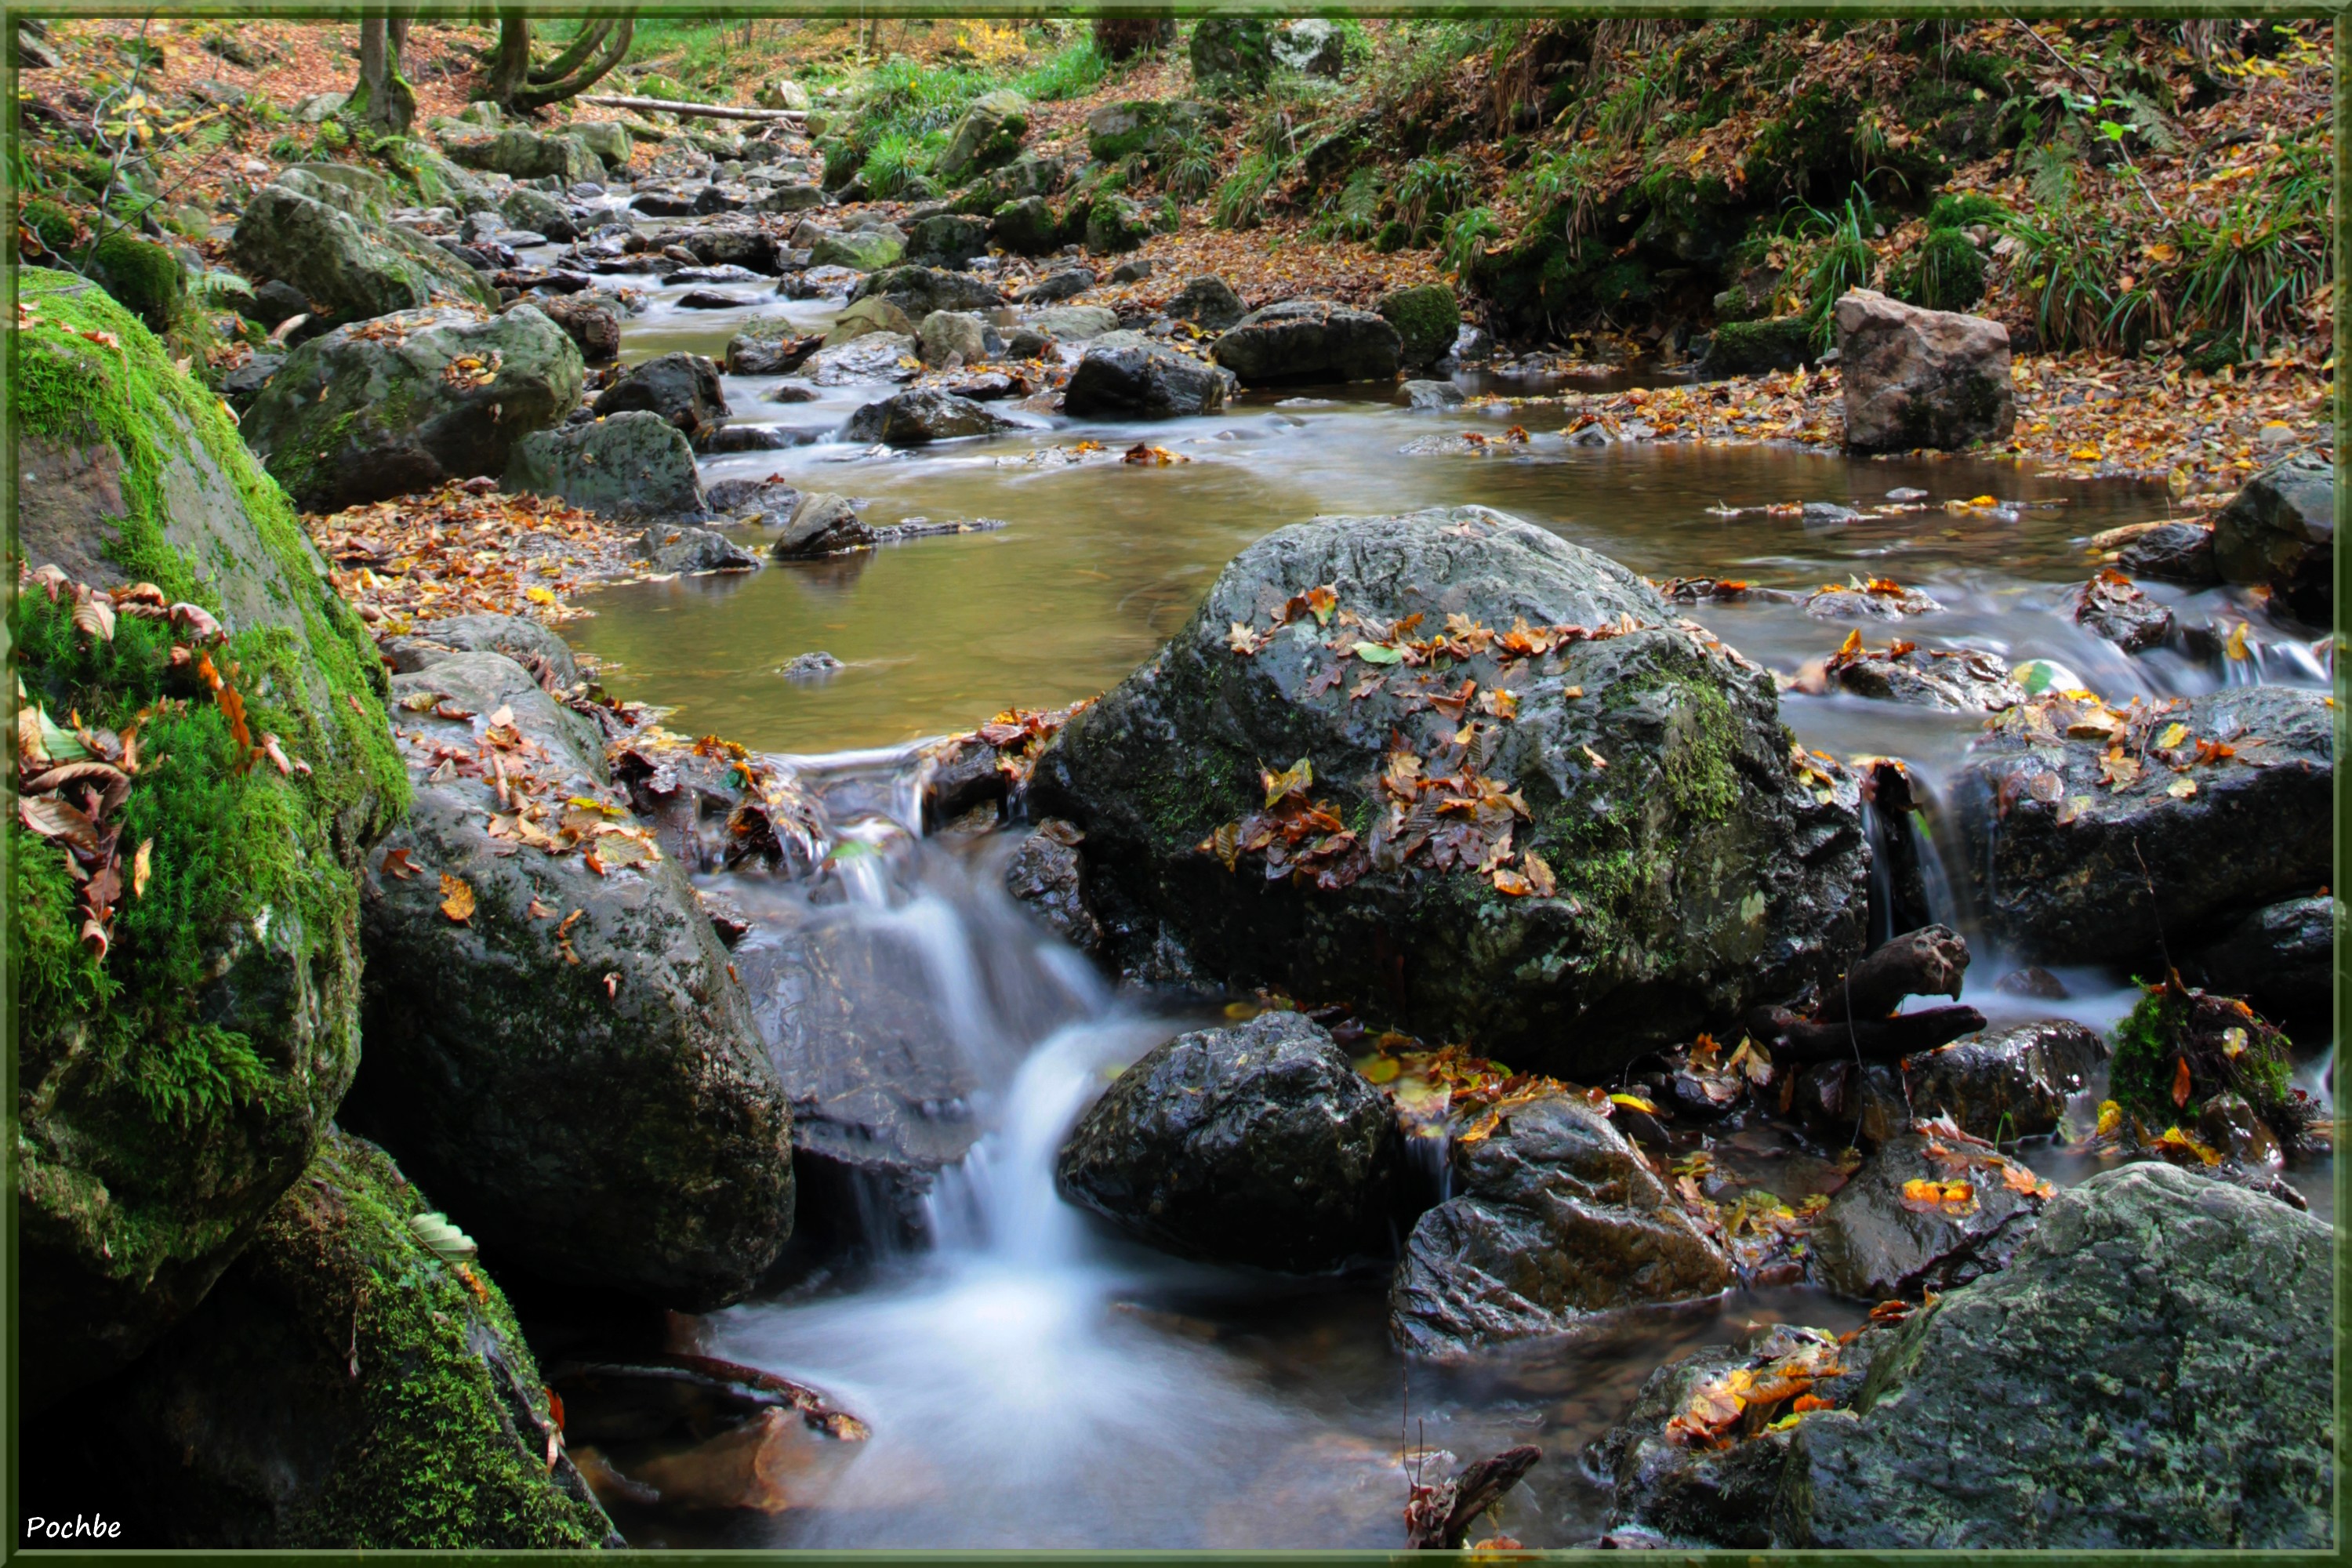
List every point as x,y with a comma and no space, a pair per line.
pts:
457,899
142,866
396,863
2180,1082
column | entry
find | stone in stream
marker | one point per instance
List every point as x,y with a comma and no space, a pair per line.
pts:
1024,227
870,357
1998,1084
2117,1387
1258,1144
1208,302
1046,874
769,502
536,210
2281,958
349,1385
583,1088
1428,396
868,315
2110,605
1072,324
403,403
1686,868
919,291
916,418
1067,283
1309,340
592,328
957,336
543,654
162,1116
1957,680
754,252
712,300
1149,381
1928,1210
725,273
2280,530
757,438
2078,860
2174,553
681,388
769,345
608,138
631,464
1884,601
821,523
790,196
1425,318
524,154
1918,378
1555,1220
677,548
345,266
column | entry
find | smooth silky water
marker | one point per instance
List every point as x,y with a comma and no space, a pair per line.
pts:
1031,1379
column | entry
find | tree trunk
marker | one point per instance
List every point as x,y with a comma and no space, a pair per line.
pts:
382,101
510,63
591,35
528,99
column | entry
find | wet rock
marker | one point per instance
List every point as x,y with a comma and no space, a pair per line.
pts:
957,335
867,250
2057,849
1067,283
2080,1397
821,524
712,300
1257,1144
770,501
1884,1235
1756,348
2281,958
1309,340
1826,513
1047,875
756,438
1073,323
1554,1220
773,345
672,548
1879,601
1686,765
682,388
730,254
809,666
871,315
632,464
2000,1084
350,267
919,291
1207,302
991,386
789,196
1957,680
947,239
345,1387
2175,552
1430,396
871,357
537,211
2225,1047
1918,378
649,1154
2281,531
1024,227
403,403
592,328
1426,319
2110,605
544,655
916,418
817,282
1153,383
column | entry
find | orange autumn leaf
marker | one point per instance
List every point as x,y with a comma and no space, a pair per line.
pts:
2180,1085
457,899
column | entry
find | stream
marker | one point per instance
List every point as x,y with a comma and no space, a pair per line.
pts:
1031,1379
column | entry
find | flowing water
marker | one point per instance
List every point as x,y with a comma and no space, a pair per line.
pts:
1032,1379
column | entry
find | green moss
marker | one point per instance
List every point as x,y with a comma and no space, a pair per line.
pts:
1753,348
1426,319
1945,273
52,224
147,278
2228,1050
1959,211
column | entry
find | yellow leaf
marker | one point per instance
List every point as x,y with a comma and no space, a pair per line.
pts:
141,867
539,595
2181,788
1634,1102
2111,1119
1380,1069
457,899
2173,735
2084,453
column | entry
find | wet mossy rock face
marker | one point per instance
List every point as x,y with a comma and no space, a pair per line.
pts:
168,1095
1259,1144
2151,1372
345,265
346,1387
1697,873
402,404
592,1098
1426,319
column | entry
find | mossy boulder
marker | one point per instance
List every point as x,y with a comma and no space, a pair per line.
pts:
2226,1048
349,267
917,292
356,189
525,156
1141,126
866,250
989,133
631,464
948,239
608,138
1237,50
144,278
386,408
1756,348
1030,174
1024,227
571,1068
1427,319
1115,224
347,1388
168,1093
1695,867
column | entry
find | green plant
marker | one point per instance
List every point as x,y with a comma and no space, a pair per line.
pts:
1428,192
1190,168
1841,260
1950,211
1073,72
895,160
2065,264
1241,199
1945,273
1467,235
1353,211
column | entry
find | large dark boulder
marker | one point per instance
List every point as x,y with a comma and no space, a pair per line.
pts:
2281,531
1311,340
2281,958
2151,1372
348,1387
1149,381
919,291
947,239
1025,226
169,1089
1210,302
1426,317
1918,378
2074,865
1257,1144
1688,864
2175,553
1237,51
1998,1084
632,464
919,418
1555,1220
561,1056
1886,1235
350,266
405,403
682,388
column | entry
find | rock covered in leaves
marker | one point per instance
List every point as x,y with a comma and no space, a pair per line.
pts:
2281,531
555,1045
543,653
1918,378
632,464
1310,340
2095,836
1448,766
1555,1219
355,1381
2117,1386
1147,380
400,404
1257,1144
1996,1084
1957,681
2180,1046
177,1065
1930,1209
2112,606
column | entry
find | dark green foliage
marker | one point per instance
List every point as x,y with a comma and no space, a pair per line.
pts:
2228,1046
1954,210
1945,273
145,276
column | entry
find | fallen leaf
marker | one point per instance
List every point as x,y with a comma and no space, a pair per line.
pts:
2181,1083
141,867
457,899
398,864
